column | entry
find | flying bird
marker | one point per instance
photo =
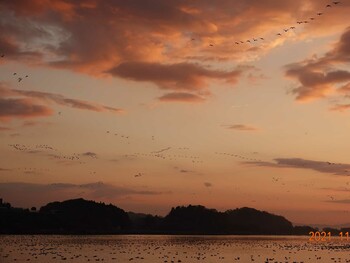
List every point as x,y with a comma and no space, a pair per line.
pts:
319,14
138,175
279,34
328,6
19,79
336,2
2,55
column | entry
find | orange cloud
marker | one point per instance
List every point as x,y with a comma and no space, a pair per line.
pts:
168,43
340,107
95,36
318,76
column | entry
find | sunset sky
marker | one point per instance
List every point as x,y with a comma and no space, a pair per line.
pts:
149,104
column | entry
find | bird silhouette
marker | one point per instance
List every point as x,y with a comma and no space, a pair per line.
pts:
138,175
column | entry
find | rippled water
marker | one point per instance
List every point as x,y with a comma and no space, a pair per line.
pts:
152,249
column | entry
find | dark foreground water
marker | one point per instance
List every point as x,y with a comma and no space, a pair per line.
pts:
153,249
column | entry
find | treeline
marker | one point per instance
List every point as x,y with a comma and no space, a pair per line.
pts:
80,216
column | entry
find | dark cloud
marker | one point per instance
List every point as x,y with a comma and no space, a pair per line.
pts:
26,194
21,108
31,104
178,76
61,100
318,76
181,97
323,167
241,127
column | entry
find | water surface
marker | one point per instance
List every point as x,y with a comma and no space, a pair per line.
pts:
171,249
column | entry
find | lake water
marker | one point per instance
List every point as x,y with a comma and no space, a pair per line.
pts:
168,249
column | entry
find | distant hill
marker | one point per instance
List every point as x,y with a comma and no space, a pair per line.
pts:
198,219
79,216
82,216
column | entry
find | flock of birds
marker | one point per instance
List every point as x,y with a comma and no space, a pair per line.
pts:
284,30
162,249
15,74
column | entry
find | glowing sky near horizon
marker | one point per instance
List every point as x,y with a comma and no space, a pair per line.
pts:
153,104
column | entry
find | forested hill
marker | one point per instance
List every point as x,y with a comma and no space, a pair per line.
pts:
79,216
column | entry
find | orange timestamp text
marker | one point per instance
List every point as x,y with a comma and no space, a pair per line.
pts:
326,236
